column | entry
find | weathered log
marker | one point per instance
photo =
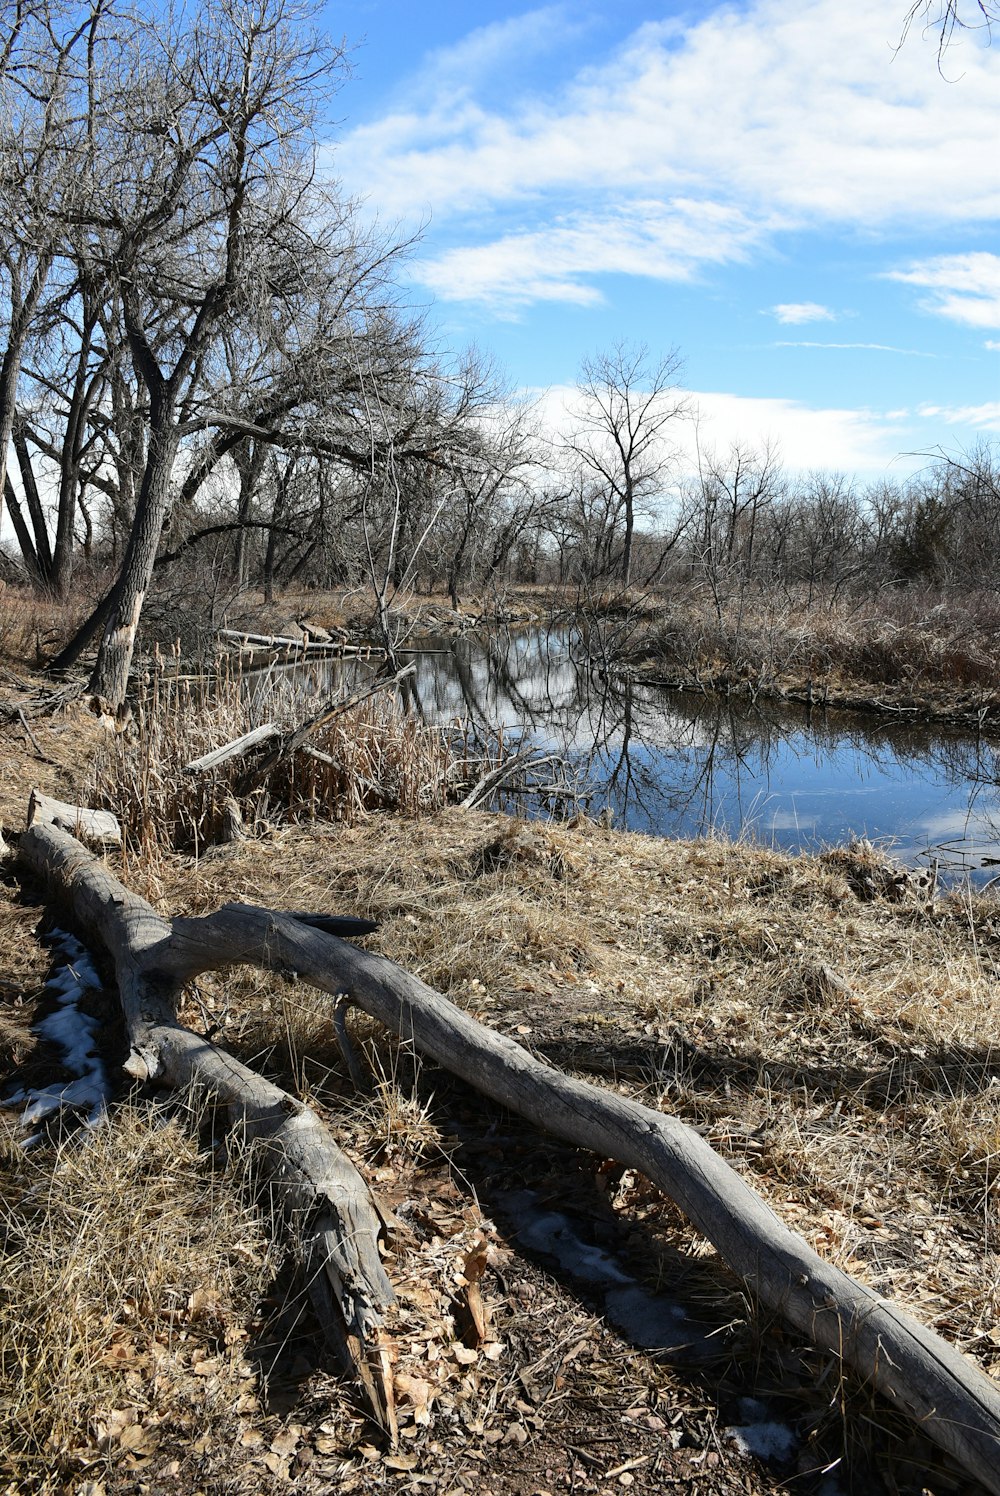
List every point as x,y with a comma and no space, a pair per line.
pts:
237,748
302,645
914,1368
952,1400
322,1195
98,826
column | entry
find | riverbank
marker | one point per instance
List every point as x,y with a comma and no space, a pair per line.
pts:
915,658
827,1027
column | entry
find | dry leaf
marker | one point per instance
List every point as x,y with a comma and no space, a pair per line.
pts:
285,1443
400,1461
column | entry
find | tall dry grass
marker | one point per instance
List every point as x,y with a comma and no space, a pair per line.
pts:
375,756
892,638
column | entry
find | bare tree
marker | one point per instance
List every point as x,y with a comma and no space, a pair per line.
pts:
47,53
945,17
628,400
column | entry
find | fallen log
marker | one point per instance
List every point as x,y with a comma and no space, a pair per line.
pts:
301,645
915,1369
98,826
237,748
322,1195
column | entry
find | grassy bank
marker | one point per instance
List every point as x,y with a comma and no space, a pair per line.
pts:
828,1031
915,655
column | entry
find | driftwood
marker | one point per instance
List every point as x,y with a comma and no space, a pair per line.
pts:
501,773
237,748
953,1401
302,645
292,741
318,1189
98,826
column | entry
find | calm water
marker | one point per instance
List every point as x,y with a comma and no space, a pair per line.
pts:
678,764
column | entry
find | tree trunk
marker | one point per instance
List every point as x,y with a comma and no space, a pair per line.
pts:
114,656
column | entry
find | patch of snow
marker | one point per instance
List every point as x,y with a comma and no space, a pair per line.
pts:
765,1440
76,1036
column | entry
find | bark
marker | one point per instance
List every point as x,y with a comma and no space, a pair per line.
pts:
114,656
321,1194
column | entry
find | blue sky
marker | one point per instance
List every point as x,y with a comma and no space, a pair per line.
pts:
807,211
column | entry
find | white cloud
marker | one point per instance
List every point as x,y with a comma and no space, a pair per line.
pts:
720,109
802,311
964,288
984,417
868,347
866,442
667,240
992,345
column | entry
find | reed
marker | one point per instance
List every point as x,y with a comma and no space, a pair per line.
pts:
375,756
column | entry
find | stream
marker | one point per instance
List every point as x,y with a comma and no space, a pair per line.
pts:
679,763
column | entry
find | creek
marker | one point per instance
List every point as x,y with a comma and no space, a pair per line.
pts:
680,763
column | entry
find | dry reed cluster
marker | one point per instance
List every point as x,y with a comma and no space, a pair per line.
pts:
371,756
893,639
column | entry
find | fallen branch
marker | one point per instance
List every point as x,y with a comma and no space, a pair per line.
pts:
320,1192
953,1401
237,748
501,773
292,741
302,645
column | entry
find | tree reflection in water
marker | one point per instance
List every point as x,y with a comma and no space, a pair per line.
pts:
683,764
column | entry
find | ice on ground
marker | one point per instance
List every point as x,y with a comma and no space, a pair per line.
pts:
761,1435
649,1320
75,1035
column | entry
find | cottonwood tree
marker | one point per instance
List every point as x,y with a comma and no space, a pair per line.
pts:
628,400
202,223
48,55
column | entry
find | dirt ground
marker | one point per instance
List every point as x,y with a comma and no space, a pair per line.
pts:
829,1028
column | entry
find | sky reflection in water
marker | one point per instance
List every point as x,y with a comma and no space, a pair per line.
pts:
679,764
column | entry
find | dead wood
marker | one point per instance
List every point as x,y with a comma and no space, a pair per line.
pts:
237,748
292,741
953,1401
502,773
322,1195
98,826
301,645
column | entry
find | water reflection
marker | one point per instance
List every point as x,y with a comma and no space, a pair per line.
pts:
679,764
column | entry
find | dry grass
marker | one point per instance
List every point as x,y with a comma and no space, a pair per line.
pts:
379,758
131,1276
696,976
919,647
